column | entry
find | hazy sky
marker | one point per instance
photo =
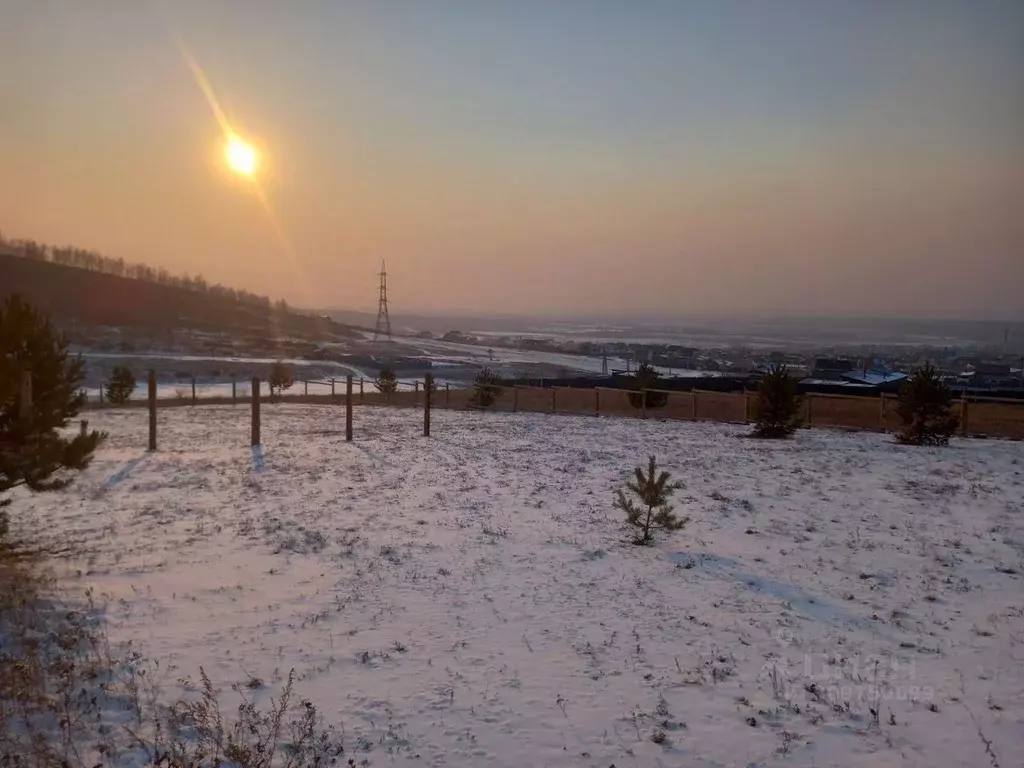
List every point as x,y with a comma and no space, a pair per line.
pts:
814,156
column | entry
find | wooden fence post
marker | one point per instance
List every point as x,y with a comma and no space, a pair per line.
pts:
426,404
881,411
448,394
101,393
152,409
234,392
553,391
643,403
25,401
193,390
746,406
348,406
332,388
305,387
597,401
963,415
807,409
360,390
83,427
255,412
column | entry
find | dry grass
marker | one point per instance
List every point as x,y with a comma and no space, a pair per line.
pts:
67,701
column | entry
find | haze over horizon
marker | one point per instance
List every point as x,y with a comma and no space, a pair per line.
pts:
587,158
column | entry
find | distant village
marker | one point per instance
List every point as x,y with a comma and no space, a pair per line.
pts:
993,370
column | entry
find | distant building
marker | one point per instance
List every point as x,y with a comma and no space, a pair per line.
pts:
681,362
998,370
989,375
875,377
831,369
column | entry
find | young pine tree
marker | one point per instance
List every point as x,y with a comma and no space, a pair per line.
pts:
486,388
120,385
925,407
646,378
280,378
777,407
651,510
33,451
386,381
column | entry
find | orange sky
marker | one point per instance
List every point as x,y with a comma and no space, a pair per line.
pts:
519,158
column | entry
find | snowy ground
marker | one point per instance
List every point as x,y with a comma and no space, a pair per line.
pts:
468,599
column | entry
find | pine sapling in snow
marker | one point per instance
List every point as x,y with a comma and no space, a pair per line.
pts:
120,385
35,451
486,388
386,381
646,378
926,409
280,378
777,407
650,510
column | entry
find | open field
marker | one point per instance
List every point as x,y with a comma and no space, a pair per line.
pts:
468,599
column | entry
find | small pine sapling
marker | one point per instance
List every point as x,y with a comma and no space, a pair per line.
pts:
486,388
777,407
386,381
646,378
120,385
36,451
926,409
651,510
280,378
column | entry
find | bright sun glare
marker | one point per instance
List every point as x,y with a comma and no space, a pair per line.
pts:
240,156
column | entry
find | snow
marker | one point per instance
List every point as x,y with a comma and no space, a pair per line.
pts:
470,598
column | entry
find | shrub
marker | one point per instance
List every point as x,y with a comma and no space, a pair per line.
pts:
653,511
33,450
486,388
386,381
777,406
120,385
646,378
925,407
280,378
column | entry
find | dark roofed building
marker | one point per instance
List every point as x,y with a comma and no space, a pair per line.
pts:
831,369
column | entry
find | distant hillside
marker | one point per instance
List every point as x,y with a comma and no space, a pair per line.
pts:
71,293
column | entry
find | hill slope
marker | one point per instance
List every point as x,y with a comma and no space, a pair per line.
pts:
96,298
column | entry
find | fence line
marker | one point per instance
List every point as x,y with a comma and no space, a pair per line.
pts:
988,417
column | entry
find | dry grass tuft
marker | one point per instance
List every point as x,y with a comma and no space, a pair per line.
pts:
67,702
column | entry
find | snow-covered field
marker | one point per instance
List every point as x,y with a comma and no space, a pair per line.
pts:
469,599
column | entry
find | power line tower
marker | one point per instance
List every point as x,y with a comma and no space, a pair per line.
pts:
383,321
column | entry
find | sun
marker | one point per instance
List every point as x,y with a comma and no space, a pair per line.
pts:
241,156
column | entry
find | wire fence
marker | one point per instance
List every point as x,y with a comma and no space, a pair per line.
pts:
982,417
196,389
